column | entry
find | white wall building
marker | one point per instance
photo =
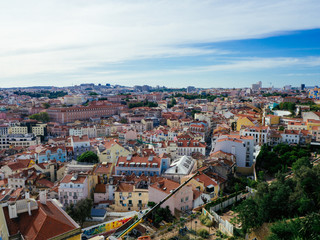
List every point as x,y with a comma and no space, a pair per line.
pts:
240,146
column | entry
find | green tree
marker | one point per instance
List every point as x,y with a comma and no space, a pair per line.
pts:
304,161
41,117
283,198
80,211
300,228
161,214
93,94
46,105
203,233
123,120
247,214
89,157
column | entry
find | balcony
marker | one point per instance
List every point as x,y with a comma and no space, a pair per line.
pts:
130,204
139,204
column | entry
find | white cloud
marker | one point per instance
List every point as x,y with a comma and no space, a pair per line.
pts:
66,36
236,65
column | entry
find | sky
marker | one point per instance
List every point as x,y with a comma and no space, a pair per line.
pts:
173,43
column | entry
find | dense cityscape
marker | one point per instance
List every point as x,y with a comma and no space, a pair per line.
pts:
160,120
89,161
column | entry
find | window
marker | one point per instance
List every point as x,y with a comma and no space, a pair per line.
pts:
187,198
181,199
140,194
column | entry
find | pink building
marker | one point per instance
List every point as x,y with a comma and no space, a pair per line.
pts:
94,110
3,115
73,187
100,193
127,135
182,200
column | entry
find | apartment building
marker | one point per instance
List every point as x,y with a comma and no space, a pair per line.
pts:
182,200
94,110
131,197
259,134
149,165
111,150
242,147
72,188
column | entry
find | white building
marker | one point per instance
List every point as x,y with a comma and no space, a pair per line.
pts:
290,136
187,147
72,188
258,134
240,146
180,167
90,131
80,144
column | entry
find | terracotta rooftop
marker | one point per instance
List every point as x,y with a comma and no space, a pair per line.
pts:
68,179
165,185
125,187
44,223
100,188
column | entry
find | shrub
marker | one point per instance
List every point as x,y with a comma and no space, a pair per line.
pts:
203,233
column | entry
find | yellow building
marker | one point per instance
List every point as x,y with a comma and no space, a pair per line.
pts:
312,123
173,123
245,121
39,129
4,233
272,120
19,130
130,197
111,151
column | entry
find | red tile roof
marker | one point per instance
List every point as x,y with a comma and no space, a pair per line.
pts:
100,188
45,222
67,179
165,185
125,187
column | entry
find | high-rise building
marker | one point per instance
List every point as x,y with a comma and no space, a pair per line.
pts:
256,86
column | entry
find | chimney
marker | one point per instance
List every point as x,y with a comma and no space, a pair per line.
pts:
43,197
12,210
27,196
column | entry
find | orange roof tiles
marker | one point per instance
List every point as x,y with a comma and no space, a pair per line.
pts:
44,223
165,185
125,187
79,179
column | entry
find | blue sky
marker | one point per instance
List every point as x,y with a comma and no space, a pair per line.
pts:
173,43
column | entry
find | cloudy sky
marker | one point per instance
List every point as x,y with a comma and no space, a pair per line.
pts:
176,43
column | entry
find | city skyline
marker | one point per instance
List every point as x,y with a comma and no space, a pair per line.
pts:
203,44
